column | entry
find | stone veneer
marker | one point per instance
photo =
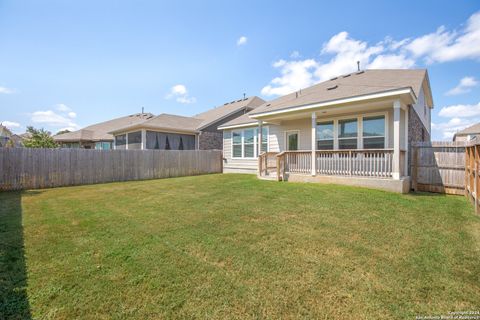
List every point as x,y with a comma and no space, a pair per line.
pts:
208,140
416,132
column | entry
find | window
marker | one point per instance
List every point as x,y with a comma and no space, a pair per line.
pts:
374,132
347,134
120,141
103,145
325,135
237,144
135,140
245,142
264,139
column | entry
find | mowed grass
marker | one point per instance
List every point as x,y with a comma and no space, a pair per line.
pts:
232,246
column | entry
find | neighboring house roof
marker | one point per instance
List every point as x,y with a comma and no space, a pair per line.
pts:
166,122
4,131
170,122
221,112
475,129
100,131
243,120
351,85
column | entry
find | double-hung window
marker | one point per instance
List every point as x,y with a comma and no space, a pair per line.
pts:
374,132
245,142
325,135
347,134
249,143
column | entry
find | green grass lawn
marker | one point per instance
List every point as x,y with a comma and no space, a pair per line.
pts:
232,246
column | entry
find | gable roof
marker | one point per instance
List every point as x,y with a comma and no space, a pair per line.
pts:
221,112
171,122
100,131
167,122
348,86
474,129
243,120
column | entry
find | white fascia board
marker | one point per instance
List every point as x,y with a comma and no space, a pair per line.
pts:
384,94
242,125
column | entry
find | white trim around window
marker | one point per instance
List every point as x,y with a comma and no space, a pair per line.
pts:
241,144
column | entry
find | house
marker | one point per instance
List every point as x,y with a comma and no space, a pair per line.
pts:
9,139
97,136
353,129
468,134
173,132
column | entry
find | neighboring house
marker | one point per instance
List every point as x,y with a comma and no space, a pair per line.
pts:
354,129
9,139
173,132
97,136
468,134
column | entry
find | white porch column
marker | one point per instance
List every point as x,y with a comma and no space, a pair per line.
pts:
314,143
144,139
396,140
126,141
405,169
259,136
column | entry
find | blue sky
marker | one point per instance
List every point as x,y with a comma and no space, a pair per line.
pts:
68,64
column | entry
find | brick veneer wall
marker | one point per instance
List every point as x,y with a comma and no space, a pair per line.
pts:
416,132
208,140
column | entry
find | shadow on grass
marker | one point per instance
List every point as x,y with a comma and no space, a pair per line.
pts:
13,271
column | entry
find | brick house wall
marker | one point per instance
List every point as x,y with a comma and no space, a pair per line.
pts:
416,133
208,140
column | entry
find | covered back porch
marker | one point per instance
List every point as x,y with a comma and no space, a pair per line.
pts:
355,145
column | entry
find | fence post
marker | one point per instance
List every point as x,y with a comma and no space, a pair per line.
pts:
415,168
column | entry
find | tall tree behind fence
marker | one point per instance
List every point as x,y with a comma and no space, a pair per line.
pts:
438,167
23,168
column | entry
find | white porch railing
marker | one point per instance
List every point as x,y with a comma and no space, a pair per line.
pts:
366,163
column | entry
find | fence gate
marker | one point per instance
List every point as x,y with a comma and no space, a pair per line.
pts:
438,167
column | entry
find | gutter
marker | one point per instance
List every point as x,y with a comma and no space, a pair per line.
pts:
382,94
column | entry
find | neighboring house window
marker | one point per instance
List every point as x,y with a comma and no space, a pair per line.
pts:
325,135
135,140
120,141
374,132
103,145
244,143
347,134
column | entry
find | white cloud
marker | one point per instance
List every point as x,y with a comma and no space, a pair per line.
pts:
444,45
295,75
339,55
5,90
10,124
62,107
242,41
460,111
72,114
180,93
295,55
466,84
447,129
51,118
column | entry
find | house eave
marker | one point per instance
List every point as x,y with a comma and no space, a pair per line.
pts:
379,95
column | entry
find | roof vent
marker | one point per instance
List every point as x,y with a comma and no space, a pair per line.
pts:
233,101
268,105
360,72
347,75
239,100
334,79
332,88
225,103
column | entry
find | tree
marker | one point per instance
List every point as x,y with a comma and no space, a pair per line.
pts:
39,138
63,131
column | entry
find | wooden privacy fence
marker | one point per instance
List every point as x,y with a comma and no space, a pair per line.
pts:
438,167
472,167
23,168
